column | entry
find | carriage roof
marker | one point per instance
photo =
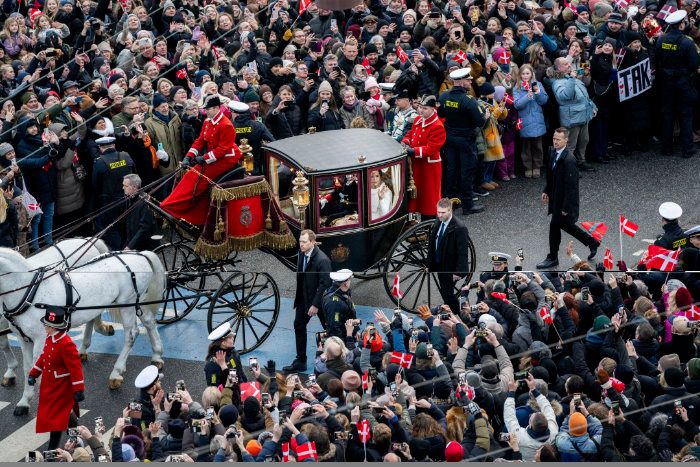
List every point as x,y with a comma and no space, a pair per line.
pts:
338,150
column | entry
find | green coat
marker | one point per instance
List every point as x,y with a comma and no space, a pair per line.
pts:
170,136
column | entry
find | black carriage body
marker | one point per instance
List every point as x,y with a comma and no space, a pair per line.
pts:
355,233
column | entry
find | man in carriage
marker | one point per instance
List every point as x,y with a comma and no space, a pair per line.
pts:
213,154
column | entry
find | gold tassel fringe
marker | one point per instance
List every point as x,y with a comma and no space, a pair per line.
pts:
272,240
239,192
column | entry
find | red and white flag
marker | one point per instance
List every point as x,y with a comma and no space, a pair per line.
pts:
661,258
508,99
628,227
365,380
285,452
504,57
366,64
401,54
404,360
363,431
396,289
519,124
526,85
608,259
460,56
303,5
33,206
665,11
546,315
306,451
250,389
621,4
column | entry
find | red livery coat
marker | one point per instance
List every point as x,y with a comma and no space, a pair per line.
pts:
217,144
61,377
426,137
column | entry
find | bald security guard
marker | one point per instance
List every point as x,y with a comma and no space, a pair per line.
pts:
463,118
676,61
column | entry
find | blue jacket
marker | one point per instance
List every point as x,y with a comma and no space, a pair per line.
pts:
549,44
530,111
575,108
565,442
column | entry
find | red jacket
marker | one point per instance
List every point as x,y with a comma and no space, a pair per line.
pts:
216,140
62,376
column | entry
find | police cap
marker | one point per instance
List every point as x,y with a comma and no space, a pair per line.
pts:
693,232
105,140
670,210
676,17
498,257
221,332
462,73
341,275
147,377
238,107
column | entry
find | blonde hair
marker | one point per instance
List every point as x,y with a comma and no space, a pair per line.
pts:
336,341
211,397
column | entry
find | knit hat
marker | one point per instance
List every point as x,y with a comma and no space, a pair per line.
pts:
694,368
168,4
601,322
683,298
499,93
540,19
624,373
159,99
486,89
5,148
263,89
81,455
581,9
136,442
176,428
669,361
601,9
228,415
674,377
351,380
128,454
251,407
27,96
113,78
98,62
276,61
370,83
454,452
578,426
250,96
615,18
474,380
681,326
371,49
56,128
422,351
539,350
253,447
632,36
611,41
325,86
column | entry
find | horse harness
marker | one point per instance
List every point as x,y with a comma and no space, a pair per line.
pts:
70,306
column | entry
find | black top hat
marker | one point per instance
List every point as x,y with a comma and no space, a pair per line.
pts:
55,317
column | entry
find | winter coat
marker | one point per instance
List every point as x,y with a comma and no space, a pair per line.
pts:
330,121
528,444
575,108
170,136
9,228
588,444
359,110
70,190
530,111
40,174
286,123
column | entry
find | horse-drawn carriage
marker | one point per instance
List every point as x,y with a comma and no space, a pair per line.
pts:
350,186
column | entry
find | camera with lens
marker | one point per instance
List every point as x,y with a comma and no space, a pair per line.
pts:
299,395
73,433
444,316
135,406
51,456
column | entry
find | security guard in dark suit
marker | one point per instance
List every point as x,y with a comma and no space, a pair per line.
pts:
463,118
252,130
107,178
337,303
676,61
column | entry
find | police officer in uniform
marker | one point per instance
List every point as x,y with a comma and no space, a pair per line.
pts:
107,177
337,303
693,236
463,118
676,61
252,130
673,236
222,358
148,384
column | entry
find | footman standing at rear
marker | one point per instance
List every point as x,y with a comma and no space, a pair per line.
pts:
61,372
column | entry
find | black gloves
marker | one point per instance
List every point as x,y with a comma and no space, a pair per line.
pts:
31,381
199,160
397,323
410,151
186,162
79,396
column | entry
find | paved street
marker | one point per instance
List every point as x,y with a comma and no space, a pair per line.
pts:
514,218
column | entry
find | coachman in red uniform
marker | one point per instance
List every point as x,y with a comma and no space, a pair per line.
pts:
214,153
425,139
61,372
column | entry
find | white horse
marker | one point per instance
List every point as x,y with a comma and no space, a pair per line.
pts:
113,279
63,254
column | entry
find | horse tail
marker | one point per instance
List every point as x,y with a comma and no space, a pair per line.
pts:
158,283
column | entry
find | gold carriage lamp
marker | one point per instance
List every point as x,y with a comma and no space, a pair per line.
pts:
247,151
300,194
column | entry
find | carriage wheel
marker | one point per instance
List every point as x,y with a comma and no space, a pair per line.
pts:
250,301
183,281
371,272
409,257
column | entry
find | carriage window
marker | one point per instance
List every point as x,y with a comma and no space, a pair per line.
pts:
384,191
338,197
280,176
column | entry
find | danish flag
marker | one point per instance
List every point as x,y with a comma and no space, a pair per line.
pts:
401,54
306,451
404,360
33,206
526,85
500,296
363,431
665,11
365,380
546,315
519,124
460,56
596,229
508,99
467,391
396,289
285,452
504,58
608,259
661,258
368,67
181,73
303,5
621,4
250,389
628,227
